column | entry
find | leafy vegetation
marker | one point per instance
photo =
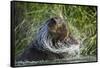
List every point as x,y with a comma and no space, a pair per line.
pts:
80,19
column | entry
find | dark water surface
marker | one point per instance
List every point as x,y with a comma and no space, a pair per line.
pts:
58,61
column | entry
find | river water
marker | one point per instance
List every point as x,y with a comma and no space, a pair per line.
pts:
81,59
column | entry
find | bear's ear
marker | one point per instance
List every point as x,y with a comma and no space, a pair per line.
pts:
52,22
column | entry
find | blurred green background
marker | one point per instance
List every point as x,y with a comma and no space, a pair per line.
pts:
82,21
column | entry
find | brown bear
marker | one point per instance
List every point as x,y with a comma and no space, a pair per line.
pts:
53,41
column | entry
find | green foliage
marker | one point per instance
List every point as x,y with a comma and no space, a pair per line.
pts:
80,19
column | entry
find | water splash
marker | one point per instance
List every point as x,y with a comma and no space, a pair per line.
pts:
45,43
